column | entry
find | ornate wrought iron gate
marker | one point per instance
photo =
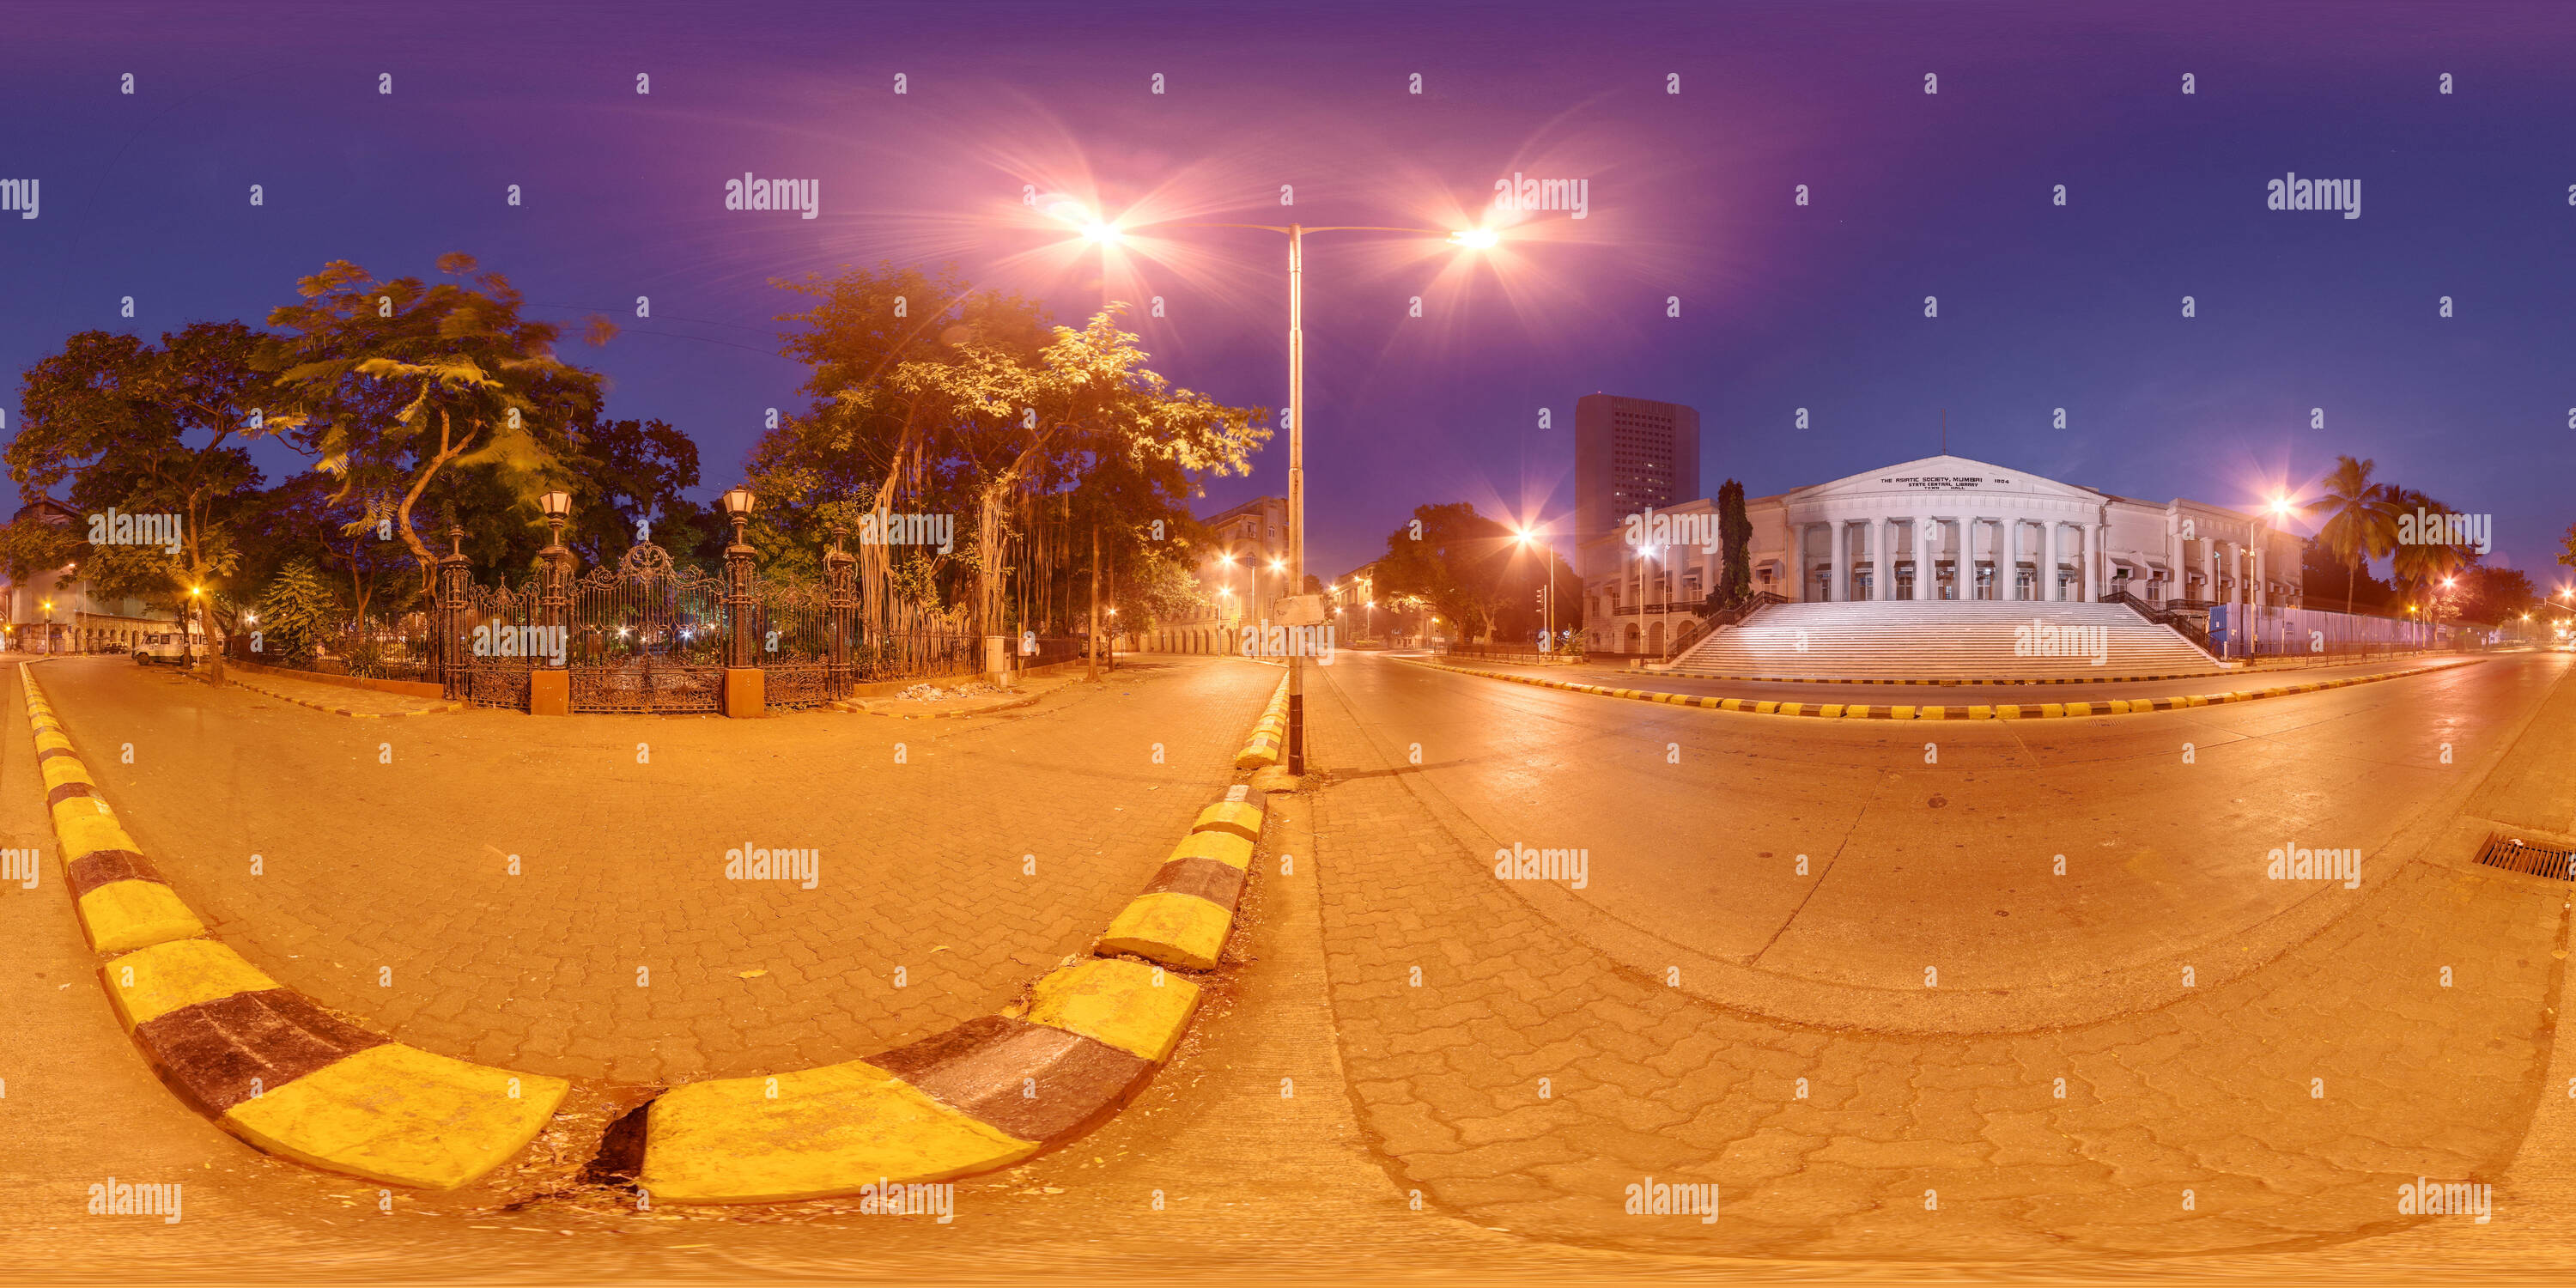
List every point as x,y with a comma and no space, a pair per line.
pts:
646,637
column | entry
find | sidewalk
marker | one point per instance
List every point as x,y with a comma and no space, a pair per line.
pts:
958,697
977,695
365,704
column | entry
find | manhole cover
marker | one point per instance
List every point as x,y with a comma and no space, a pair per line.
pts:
2531,858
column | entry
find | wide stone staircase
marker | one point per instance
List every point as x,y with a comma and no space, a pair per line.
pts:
1944,640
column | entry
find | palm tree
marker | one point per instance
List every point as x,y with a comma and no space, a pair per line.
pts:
2419,563
2360,519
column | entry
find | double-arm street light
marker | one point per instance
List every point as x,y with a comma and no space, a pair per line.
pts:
1107,232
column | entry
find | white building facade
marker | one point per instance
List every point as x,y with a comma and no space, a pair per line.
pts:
1946,528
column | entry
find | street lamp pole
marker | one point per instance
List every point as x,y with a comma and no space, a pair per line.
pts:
1547,590
1296,484
1105,231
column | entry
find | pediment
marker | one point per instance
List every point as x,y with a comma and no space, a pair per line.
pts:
1944,475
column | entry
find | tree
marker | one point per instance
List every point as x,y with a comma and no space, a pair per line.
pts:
296,614
2361,524
2493,595
932,399
2418,564
32,544
145,430
1157,587
391,385
1451,564
297,520
2317,566
628,479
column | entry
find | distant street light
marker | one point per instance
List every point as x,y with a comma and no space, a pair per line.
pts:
1547,573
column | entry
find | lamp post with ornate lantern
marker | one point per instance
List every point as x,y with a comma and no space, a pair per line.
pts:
549,679
557,601
743,694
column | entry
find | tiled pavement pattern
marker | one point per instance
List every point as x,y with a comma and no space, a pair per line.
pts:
335,698
2210,1092
385,890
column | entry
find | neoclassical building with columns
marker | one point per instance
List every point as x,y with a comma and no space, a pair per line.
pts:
1946,528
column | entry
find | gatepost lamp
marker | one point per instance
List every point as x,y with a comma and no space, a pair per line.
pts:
557,506
557,605
738,504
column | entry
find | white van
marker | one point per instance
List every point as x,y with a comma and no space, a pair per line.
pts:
168,647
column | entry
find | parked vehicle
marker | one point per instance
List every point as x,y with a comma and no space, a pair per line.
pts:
169,648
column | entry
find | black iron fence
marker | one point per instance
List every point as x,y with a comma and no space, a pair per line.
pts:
647,635
400,646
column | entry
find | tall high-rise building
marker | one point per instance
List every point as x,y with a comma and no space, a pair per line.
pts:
1630,453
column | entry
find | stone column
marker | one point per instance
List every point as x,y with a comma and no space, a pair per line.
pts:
1915,542
2096,570
2007,543
2262,582
2173,557
1841,587
2036,591
1927,535
1882,564
2048,587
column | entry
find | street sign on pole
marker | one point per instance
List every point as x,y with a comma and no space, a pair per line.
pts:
1298,610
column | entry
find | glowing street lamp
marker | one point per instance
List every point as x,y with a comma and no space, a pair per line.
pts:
1105,232
1528,536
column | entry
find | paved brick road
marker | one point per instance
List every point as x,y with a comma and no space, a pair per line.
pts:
1410,1097
2208,1091
399,872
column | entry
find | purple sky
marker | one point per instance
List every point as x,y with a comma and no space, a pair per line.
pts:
1782,307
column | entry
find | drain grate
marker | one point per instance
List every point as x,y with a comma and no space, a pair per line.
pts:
2531,858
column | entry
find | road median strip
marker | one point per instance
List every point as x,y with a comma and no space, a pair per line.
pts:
2005,711
265,1062
996,1089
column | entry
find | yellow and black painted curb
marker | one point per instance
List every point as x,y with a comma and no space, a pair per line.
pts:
1949,683
267,1063
1261,751
1995,711
441,708
991,1091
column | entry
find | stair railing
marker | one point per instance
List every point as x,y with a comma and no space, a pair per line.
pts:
2182,625
1702,628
